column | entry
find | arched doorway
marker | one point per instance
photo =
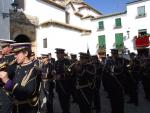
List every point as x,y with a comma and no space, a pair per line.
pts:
22,38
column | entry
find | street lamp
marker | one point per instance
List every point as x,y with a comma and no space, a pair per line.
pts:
128,33
14,6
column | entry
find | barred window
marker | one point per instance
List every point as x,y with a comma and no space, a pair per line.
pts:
45,43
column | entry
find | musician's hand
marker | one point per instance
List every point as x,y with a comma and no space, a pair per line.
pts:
4,76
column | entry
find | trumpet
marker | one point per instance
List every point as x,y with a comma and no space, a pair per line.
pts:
3,66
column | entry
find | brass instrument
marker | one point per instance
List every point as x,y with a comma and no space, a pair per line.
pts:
3,66
12,62
72,65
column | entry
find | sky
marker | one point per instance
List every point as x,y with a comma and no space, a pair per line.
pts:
108,6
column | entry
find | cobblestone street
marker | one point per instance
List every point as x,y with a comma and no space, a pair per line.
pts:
144,105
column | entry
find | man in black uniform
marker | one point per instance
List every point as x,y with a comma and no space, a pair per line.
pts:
47,86
51,59
145,69
99,67
135,73
63,83
112,80
25,85
84,74
8,59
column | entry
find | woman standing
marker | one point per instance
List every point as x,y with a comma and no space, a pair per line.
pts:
24,87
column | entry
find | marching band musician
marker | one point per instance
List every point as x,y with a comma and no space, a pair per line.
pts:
47,86
7,58
25,85
145,69
63,82
99,67
135,72
84,74
111,80
51,59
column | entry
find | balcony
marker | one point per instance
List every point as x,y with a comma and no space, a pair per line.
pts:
142,41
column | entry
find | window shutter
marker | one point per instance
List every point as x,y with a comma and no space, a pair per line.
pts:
119,40
101,41
101,25
118,22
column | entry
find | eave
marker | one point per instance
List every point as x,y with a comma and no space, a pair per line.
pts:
88,6
54,4
78,14
110,15
89,16
57,23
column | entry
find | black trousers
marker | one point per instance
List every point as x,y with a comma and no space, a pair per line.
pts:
5,102
117,101
63,88
25,108
146,86
46,97
85,96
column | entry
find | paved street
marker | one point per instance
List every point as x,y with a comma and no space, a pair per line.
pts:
144,106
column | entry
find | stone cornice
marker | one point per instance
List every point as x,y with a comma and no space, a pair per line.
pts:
54,3
57,23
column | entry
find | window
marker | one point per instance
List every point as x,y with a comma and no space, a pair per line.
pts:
101,41
101,25
119,40
45,43
67,17
118,23
141,11
142,32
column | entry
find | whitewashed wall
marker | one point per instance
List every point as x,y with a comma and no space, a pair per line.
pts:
44,11
74,20
61,38
109,31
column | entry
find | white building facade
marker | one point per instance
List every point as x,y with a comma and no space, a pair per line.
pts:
119,30
64,25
